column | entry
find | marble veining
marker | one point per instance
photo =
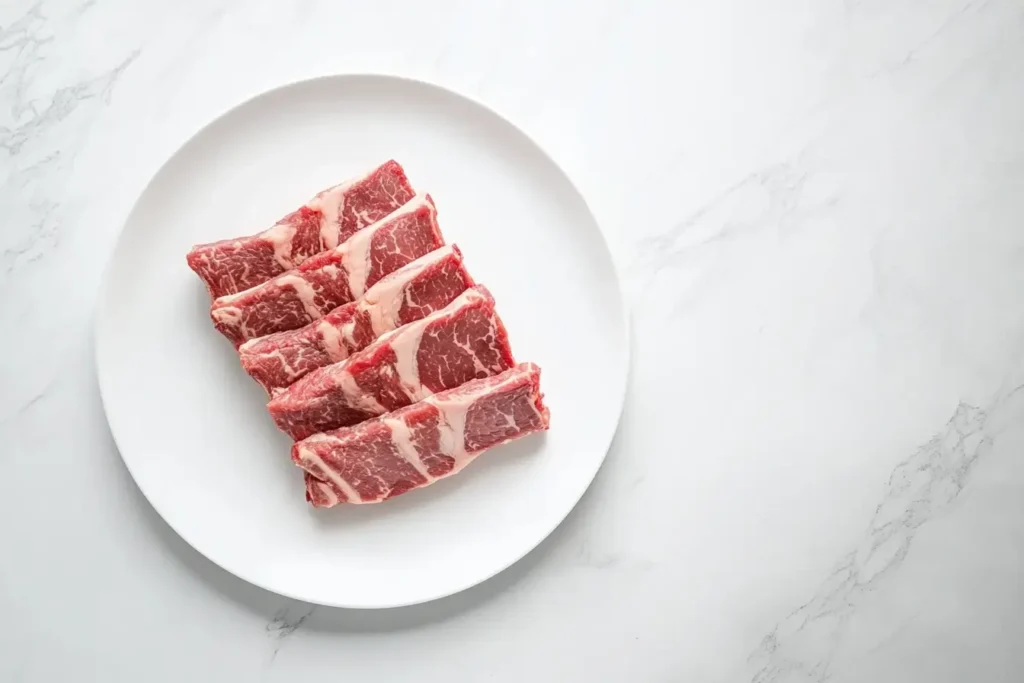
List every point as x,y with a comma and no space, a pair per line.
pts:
769,197
924,485
28,132
285,622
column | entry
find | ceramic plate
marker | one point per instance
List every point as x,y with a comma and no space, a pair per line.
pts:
192,427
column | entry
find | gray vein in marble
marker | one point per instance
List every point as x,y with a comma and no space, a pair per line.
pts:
782,182
949,22
772,198
84,7
62,104
285,622
24,407
24,37
28,136
919,488
589,556
30,248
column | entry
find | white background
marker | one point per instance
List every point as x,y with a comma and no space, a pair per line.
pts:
818,208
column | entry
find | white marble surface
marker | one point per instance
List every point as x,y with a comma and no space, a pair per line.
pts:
819,207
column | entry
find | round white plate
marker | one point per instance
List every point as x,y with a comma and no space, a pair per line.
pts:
192,427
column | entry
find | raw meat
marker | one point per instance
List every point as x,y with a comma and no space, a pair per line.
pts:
327,220
426,285
419,444
463,341
331,278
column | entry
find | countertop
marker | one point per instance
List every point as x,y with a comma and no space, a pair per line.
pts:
818,211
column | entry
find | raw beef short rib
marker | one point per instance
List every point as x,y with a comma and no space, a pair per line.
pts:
327,220
465,340
418,289
331,278
415,446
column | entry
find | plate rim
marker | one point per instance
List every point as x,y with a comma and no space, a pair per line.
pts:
621,387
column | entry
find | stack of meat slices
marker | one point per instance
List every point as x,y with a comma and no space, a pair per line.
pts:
384,360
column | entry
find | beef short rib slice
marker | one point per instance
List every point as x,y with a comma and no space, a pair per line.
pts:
418,289
465,340
330,278
324,222
415,446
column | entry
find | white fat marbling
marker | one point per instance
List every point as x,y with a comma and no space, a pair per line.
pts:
401,437
357,398
328,493
405,341
304,290
310,457
453,410
357,249
817,210
333,341
384,300
331,203
281,236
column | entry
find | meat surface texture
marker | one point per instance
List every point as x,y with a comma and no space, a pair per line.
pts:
331,278
415,446
327,220
418,289
465,340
